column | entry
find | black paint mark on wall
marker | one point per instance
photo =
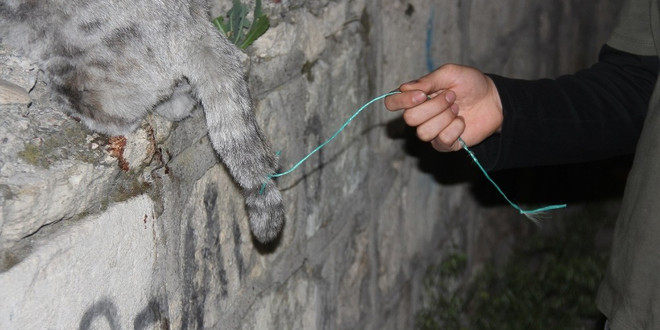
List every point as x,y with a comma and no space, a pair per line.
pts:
200,276
410,10
236,230
106,309
103,308
314,126
150,315
213,251
192,316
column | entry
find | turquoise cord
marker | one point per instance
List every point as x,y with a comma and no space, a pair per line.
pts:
333,136
514,205
276,175
463,144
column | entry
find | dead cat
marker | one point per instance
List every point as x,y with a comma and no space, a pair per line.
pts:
113,61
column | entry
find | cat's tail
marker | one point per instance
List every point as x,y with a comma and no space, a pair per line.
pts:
215,72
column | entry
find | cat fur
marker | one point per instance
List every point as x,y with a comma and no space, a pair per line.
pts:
111,62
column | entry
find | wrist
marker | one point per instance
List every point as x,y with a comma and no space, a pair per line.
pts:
494,96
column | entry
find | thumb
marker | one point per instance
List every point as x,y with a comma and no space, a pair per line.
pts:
438,80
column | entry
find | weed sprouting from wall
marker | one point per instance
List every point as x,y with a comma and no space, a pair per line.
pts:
238,28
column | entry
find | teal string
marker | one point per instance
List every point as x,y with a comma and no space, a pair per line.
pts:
463,144
333,136
276,175
514,205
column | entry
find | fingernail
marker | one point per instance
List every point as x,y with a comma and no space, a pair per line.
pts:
450,96
419,97
454,108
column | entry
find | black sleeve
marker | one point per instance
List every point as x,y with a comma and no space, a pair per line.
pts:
594,114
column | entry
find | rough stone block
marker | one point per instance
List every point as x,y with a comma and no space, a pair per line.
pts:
96,272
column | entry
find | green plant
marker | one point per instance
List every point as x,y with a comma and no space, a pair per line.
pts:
238,23
549,282
443,296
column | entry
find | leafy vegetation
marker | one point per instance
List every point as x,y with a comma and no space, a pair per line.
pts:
444,298
550,282
238,28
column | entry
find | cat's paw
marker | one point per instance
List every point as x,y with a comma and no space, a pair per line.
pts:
266,213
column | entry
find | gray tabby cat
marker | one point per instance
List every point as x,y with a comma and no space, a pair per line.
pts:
113,61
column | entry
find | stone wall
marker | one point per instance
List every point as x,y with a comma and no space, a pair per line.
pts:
150,231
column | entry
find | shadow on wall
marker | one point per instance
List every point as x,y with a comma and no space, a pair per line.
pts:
575,183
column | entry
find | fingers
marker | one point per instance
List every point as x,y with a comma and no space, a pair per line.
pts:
447,139
405,100
422,84
417,115
443,130
441,79
415,92
436,121
431,128
429,105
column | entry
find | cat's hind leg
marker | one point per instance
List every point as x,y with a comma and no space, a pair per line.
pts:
179,105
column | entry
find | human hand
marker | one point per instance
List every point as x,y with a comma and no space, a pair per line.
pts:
463,102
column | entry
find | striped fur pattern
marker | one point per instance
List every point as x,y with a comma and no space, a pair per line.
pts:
110,62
